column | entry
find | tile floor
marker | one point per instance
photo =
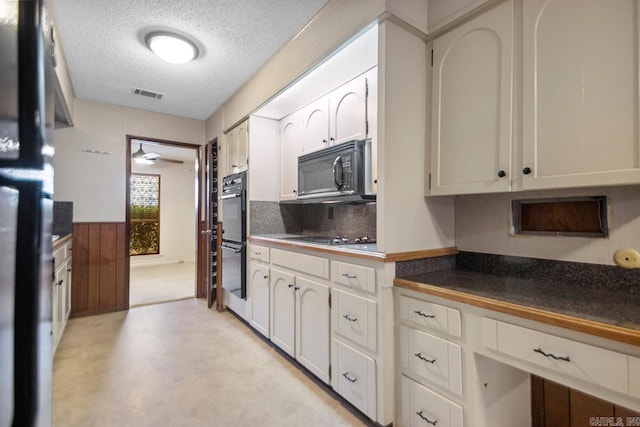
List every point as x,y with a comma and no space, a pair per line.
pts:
181,364
161,283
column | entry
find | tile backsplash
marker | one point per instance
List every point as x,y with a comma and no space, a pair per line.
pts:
62,218
330,219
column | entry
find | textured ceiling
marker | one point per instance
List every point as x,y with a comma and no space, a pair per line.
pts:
104,46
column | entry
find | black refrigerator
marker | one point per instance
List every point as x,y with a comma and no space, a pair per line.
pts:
26,184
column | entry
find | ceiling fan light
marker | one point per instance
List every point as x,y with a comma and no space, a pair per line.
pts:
172,47
143,161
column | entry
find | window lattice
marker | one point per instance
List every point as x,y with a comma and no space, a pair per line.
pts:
145,214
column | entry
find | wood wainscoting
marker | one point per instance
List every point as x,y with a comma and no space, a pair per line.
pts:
100,283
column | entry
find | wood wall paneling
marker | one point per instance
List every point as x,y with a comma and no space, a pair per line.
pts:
554,405
99,264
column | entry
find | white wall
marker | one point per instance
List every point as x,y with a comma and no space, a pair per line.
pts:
406,220
483,224
96,182
177,212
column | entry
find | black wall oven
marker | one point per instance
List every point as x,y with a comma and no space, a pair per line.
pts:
234,234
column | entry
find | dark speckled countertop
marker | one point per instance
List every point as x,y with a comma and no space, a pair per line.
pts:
568,302
616,308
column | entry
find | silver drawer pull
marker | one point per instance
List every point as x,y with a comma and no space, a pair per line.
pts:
421,357
349,318
434,422
428,316
349,377
551,355
348,276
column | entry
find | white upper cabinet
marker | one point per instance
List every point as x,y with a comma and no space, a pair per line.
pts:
443,12
471,105
235,158
315,125
580,99
337,117
290,149
348,110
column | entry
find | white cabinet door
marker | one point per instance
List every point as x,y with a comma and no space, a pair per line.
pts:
67,292
290,150
259,293
312,327
471,114
282,310
348,110
580,112
235,158
315,126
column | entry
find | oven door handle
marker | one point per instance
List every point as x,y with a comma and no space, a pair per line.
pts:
229,196
338,179
237,251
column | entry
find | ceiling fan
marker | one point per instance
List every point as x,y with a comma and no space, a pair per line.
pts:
149,158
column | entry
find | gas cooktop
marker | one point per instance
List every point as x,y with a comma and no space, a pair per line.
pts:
333,240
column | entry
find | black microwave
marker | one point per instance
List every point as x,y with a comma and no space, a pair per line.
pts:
339,173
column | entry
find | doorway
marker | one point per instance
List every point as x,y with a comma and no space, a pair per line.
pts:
163,195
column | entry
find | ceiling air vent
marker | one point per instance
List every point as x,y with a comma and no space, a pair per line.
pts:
147,93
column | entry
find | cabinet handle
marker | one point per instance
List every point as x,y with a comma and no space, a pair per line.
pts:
69,269
502,174
295,191
324,141
332,139
60,282
257,253
349,378
348,276
526,170
234,166
266,277
297,288
434,422
349,318
290,286
428,316
421,357
553,356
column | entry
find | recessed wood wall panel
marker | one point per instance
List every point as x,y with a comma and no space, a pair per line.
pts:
554,405
99,263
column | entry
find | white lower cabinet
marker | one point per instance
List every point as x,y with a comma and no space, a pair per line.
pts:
259,296
327,313
423,407
312,326
478,373
60,293
283,306
432,359
356,378
300,320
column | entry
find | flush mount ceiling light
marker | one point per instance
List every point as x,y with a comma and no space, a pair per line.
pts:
171,47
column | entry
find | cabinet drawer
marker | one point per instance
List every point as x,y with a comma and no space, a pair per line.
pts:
429,315
309,264
60,255
355,276
583,361
422,407
356,378
431,358
259,253
355,318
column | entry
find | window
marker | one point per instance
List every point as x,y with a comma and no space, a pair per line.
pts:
145,214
